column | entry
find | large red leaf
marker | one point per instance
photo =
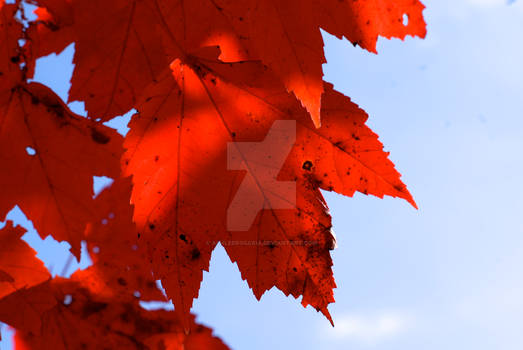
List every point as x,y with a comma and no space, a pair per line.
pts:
177,154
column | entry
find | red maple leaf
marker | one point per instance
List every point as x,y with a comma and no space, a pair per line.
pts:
177,152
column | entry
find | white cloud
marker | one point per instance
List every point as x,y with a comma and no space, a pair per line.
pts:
369,329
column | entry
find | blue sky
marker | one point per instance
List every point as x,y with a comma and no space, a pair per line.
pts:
448,276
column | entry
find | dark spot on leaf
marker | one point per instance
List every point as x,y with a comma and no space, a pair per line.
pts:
125,317
99,137
399,188
307,165
152,227
195,254
121,281
183,238
57,109
92,307
15,59
52,26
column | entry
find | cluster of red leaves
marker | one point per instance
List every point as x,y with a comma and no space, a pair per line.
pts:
201,74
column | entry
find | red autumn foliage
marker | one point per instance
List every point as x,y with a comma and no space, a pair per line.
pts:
208,78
